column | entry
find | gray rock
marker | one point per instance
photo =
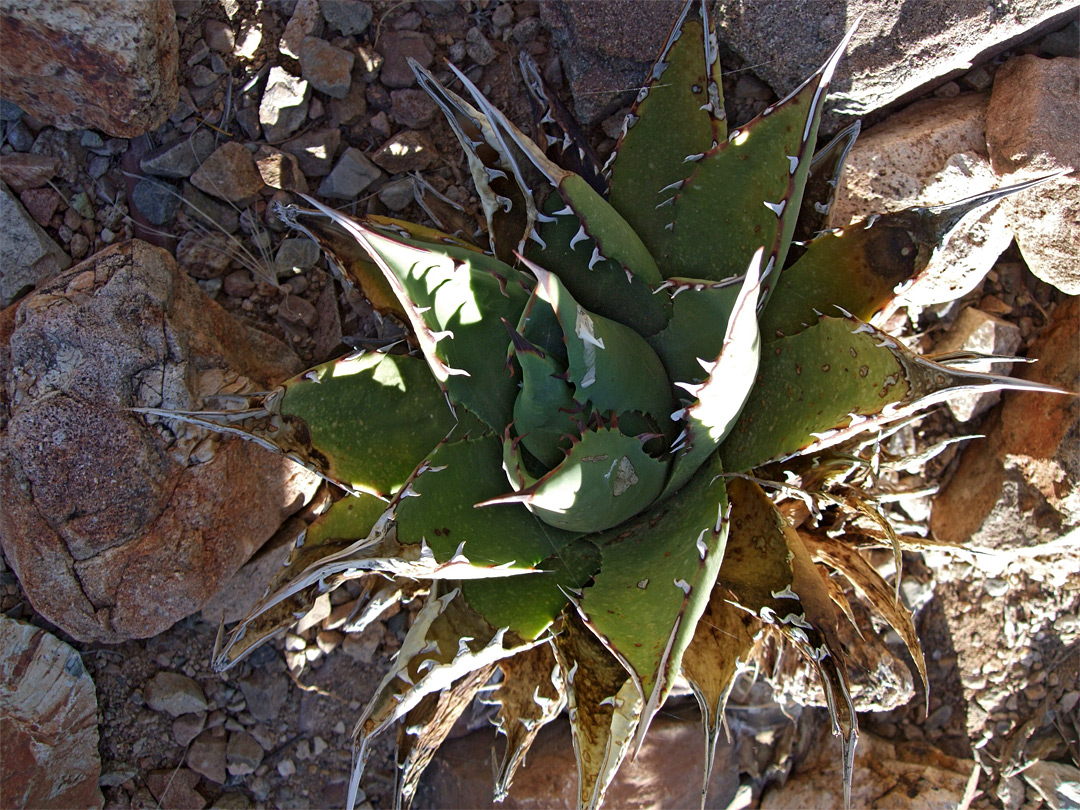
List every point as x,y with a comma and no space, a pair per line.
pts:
50,722
315,151
295,256
117,524
206,756
229,173
19,137
21,171
295,310
244,754
219,36
9,111
478,47
248,119
202,76
284,105
187,727
265,691
396,48
28,255
209,212
156,200
397,195
327,68
350,17
180,158
352,174
174,693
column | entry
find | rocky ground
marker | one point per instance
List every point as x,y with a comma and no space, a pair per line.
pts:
124,548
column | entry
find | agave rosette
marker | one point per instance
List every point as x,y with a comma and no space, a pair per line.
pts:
562,459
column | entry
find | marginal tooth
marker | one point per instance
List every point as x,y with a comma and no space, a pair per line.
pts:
793,163
562,212
547,119
668,201
683,585
672,186
608,701
580,236
536,238
596,256
581,154
702,546
542,217
551,139
437,336
459,554
670,226
566,142
776,208
693,158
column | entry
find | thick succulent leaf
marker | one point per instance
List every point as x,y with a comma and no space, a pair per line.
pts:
609,364
362,421
446,642
721,645
557,131
745,192
861,267
822,185
602,285
604,706
654,582
455,299
438,510
544,410
679,112
834,380
720,397
426,725
527,605
605,478
694,303
530,695
347,519
871,587
505,194
612,236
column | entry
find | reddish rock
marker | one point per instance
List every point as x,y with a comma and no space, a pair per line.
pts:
1020,486
905,776
48,722
327,68
396,48
174,789
1031,127
41,204
118,525
110,64
280,169
666,773
408,151
22,171
229,173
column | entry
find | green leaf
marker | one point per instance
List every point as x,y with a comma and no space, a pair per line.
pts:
455,299
610,365
362,421
680,112
835,380
439,510
368,418
718,400
654,582
860,267
745,192
606,478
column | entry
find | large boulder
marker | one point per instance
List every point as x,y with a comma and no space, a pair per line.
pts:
107,64
48,722
119,525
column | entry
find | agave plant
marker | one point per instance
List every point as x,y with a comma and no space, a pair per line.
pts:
580,456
